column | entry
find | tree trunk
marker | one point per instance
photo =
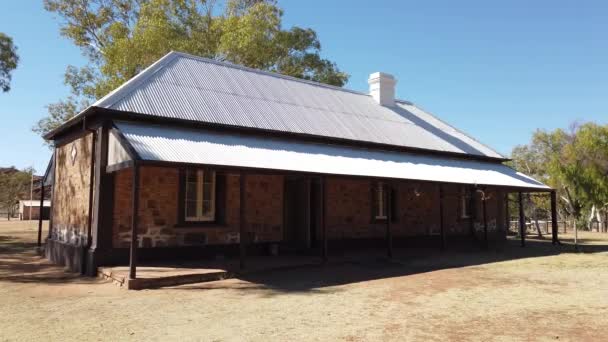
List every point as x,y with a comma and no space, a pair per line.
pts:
575,236
538,231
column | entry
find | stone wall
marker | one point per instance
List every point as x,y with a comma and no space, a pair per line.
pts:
70,209
158,212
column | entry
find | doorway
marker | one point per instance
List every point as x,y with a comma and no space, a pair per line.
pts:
301,215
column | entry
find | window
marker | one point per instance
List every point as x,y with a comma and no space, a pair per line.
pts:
380,201
199,195
465,204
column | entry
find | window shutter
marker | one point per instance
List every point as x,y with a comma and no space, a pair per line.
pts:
220,198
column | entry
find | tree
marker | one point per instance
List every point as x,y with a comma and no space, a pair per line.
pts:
14,184
589,148
530,159
574,162
120,38
8,61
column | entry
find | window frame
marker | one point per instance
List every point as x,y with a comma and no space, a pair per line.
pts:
199,221
374,200
466,212
381,198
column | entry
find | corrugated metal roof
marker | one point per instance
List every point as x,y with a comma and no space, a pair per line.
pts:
194,88
208,147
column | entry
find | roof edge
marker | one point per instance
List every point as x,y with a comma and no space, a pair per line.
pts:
153,119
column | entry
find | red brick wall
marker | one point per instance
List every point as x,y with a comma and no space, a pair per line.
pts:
349,213
158,221
417,210
35,213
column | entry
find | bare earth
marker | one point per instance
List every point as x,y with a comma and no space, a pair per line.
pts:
536,293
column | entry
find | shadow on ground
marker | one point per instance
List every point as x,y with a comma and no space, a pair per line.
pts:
353,267
21,262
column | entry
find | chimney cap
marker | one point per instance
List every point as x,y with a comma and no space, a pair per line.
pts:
381,75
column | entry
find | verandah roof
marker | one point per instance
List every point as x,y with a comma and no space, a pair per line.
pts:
207,147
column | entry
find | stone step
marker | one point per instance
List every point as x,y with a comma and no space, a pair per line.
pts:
121,278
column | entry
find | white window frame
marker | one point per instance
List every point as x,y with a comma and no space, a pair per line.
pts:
381,205
200,217
465,199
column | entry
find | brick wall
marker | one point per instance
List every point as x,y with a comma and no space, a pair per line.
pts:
349,213
35,213
417,210
71,191
158,220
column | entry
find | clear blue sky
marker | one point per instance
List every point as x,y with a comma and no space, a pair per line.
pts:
497,70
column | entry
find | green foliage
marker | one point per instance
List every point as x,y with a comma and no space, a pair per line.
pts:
59,113
122,37
8,61
15,184
574,162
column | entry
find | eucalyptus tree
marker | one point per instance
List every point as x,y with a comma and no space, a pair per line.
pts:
8,61
122,37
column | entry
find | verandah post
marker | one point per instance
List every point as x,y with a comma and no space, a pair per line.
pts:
40,212
522,223
242,218
441,223
134,223
507,213
324,219
485,218
473,214
554,217
389,219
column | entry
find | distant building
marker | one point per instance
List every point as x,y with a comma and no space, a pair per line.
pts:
26,205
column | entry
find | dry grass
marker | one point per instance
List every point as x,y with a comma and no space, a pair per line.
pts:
536,293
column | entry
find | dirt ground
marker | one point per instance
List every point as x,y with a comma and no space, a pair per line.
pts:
538,293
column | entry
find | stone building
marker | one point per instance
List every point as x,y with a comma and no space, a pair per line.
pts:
197,158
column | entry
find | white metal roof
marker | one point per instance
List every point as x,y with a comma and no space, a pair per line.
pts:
208,147
33,203
193,88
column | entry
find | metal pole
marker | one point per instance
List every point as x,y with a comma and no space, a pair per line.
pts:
554,217
31,193
522,223
242,219
134,222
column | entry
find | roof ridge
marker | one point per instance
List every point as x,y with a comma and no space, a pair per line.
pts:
293,103
267,73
